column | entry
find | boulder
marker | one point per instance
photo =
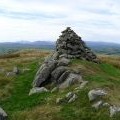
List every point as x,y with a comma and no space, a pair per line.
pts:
57,73
63,77
114,110
38,90
43,75
3,114
72,79
96,93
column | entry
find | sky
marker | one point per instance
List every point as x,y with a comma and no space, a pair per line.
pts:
33,20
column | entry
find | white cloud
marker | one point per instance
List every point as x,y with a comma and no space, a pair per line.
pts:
43,20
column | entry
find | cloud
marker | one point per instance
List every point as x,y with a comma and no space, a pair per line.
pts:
43,20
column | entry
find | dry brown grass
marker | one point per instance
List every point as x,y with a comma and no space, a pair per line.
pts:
46,112
22,61
114,60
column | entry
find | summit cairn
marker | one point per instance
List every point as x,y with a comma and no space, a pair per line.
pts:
70,45
55,68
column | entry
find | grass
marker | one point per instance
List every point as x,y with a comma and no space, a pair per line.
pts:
20,106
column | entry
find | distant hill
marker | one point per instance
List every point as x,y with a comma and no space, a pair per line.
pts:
98,47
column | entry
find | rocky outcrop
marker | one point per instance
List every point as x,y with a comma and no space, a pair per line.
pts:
95,94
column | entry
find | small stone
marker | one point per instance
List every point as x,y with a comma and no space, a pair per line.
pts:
38,90
10,74
3,114
59,100
69,95
97,105
73,98
114,110
82,85
54,89
106,105
16,70
63,62
94,94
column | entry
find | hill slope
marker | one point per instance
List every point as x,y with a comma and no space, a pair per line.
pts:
19,106
98,47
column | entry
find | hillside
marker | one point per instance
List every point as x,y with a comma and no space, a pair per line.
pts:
98,47
14,90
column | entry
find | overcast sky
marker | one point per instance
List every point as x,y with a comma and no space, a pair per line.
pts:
93,20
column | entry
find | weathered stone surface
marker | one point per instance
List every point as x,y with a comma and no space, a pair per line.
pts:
114,110
57,73
43,73
38,90
72,79
73,98
63,62
63,77
3,114
94,94
69,95
97,105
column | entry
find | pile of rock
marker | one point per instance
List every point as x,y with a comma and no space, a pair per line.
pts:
57,72
56,67
70,45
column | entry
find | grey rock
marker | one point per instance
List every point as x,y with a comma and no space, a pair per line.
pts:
59,100
72,79
106,105
3,114
10,74
114,110
97,105
54,89
94,94
63,77
69,95
63,62
38,90
82,85
44,73
73,98
57,73
16,70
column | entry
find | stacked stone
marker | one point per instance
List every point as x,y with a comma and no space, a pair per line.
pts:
70,45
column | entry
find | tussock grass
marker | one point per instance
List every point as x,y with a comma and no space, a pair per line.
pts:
20,106
114,60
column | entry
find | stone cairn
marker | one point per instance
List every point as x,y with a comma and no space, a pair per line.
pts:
70,45
55,68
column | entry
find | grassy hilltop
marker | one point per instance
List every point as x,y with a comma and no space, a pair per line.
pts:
14,91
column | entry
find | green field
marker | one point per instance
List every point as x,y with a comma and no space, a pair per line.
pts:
14,98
